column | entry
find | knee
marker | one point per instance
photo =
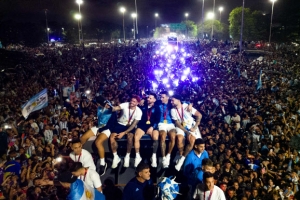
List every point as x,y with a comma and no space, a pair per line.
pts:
112,137
180,138
172,137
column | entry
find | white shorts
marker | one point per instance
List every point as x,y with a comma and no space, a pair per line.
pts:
196,134
95,131
165,127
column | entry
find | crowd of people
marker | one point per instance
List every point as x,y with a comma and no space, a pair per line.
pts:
230,127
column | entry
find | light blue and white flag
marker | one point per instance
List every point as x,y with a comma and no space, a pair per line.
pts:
35,103
81,191
168,189
259,83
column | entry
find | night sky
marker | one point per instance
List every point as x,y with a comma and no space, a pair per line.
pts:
170,11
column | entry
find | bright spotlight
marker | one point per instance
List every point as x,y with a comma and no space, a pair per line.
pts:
171,93
165,80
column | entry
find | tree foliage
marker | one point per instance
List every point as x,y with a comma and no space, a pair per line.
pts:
255,24
220,29
191,28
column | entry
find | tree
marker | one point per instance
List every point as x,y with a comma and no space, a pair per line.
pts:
220,29
235,22
115,34
191,28
159,31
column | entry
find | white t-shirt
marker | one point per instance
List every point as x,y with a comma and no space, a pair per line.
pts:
135,114
237,119
92,178
187,116
217,194
85,158
48,134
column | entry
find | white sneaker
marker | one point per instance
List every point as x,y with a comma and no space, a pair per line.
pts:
153,162
179,164
115,162
166,162
137,161
126,161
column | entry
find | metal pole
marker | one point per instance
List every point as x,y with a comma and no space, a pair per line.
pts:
123,27
271,22
133,28
203,19
212,27
47,25
136,23
242,28
80,27
220,15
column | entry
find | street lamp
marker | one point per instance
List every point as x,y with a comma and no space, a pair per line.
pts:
78,18
47,25
242,29
273,1
136,23
221,9
203,18
123,10
186,16
156,16
133,15
211,16
79,2
213,21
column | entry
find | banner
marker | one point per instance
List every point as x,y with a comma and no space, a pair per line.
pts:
36,102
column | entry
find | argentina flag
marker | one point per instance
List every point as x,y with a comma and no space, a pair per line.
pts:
81,191
35,103
259,83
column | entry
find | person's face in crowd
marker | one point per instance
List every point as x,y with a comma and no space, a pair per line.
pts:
244,198
77,147
200,148
175,102
222,147
164,98
145,174
151,99
218,167
207,168
223,187
210,182
240,179
271,183
237,166
236,185
230,193
47,149
133,102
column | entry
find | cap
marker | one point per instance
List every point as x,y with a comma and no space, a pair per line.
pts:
66,177
177,96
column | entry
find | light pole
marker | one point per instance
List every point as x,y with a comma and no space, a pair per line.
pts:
203,19
78,18
242,29
221,9
156,16
79,2
273,1
123,10
187,30
136,23
47,25
212,27
211,16
133,15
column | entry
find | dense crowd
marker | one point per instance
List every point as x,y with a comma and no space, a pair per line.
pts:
238,118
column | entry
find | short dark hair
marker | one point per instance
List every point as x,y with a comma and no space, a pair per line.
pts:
207,162
207,175
164,92
141,167
75,141
76,166
153,94
199,141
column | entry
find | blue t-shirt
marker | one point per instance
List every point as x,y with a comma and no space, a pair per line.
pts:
135,190
13,167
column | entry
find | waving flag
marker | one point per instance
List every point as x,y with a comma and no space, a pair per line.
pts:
81,191
259,83
35,103
168,188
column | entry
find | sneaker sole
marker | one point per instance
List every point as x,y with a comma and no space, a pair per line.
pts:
104,170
